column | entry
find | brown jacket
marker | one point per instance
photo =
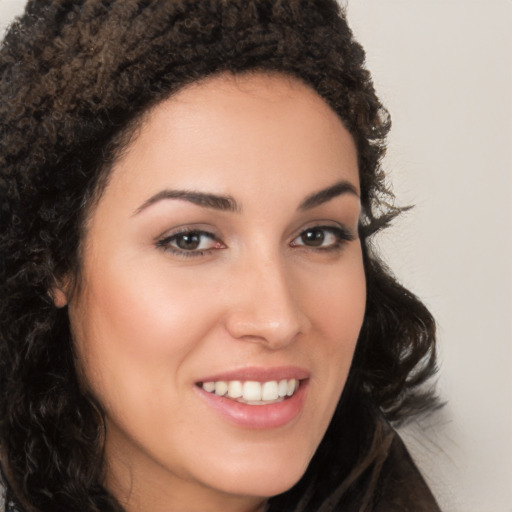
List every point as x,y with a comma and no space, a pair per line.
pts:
384,479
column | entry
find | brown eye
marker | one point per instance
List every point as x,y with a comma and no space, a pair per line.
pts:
188,241
313,237
323,238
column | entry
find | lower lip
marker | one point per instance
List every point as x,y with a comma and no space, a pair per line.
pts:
258,416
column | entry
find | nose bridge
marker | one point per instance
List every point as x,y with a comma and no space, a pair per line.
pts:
266,310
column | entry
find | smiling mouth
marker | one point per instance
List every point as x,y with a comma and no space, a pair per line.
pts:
253,392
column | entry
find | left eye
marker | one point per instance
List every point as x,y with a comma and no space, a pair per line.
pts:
322,237
189,241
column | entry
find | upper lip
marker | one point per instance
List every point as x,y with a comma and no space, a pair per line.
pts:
259,374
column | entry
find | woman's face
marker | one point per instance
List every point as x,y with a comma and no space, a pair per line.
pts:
223,257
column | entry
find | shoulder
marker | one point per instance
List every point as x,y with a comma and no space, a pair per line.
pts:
401,487
372,472
386,478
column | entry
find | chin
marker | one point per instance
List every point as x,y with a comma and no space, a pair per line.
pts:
263,485
263,477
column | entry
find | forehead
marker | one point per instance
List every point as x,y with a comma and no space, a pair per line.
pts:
247,131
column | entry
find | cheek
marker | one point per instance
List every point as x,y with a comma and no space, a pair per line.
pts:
140,327
337,302
337,306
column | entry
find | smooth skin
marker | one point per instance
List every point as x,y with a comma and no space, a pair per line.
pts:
173,290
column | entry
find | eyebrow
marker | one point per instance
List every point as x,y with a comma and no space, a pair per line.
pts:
326,194
214,201
228,203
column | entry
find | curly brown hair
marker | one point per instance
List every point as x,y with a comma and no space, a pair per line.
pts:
75,78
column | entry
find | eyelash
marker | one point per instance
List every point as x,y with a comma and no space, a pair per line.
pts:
342,236
165,243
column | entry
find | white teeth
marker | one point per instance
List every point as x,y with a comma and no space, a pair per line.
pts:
269,391
282,388
253,392
209,386
291,387
235,389
221,388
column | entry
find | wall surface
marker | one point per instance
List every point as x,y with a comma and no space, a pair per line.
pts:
444,70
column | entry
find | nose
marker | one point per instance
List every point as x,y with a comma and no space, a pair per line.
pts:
265,307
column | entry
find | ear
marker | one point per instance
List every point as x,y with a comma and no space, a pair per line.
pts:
60,299
59,292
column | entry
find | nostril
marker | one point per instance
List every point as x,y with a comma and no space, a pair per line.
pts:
274,333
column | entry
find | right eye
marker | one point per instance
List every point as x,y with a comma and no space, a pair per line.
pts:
191,242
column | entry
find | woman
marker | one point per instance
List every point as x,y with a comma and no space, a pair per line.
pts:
192,316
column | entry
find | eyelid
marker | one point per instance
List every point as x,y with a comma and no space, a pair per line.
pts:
188,228
327,225
164,242
341,232
175,234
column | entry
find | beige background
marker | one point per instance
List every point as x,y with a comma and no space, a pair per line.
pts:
444,70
